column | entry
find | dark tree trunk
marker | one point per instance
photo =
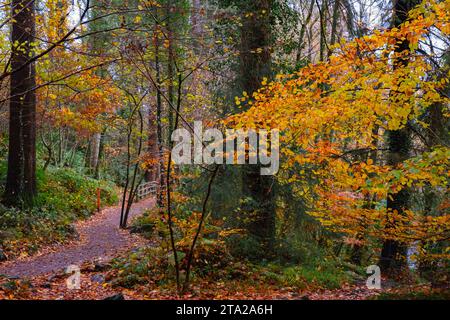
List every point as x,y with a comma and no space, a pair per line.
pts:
159,129
323,12
303,30
95,152
334,24
438,134
97,43
100,154
393,252
170,68
255,34
153,145
21,176
29,140
197,24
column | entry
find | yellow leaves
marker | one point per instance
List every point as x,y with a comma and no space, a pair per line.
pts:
166,44
80,111
349,94
149,3
334,116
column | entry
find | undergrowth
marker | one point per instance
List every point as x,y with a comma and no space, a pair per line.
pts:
64,197
214,262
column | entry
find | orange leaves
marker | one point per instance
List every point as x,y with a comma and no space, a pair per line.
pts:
56,23
78,101
333,117
73,92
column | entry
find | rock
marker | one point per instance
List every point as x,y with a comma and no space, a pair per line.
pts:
353,275
53,277
99,278
72,231
3,256
8,277
144,228
100,266
47,285
7,234
116,297
305,297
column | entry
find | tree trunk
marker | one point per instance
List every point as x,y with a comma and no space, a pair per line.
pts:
152,145
303,29
323,11
159,130
21,176
399,141
334,24
100,154
170,71
255,34
97,45
197,24
438,134
95,151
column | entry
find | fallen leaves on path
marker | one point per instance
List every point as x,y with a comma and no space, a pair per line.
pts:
99,238
96,285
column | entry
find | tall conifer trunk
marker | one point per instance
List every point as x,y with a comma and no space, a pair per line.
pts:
399,143
21,176
255,62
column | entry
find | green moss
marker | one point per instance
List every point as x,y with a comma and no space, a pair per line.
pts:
320,277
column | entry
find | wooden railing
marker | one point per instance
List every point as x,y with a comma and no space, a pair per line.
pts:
146,189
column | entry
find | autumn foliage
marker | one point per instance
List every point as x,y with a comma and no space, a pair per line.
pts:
334,116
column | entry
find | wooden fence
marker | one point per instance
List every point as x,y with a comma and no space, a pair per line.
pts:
146,189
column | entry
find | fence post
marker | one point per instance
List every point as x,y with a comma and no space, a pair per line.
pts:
98,200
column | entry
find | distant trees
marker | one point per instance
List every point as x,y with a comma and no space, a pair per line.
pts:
26,52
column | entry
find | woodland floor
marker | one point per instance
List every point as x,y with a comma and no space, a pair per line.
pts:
99,239
42,276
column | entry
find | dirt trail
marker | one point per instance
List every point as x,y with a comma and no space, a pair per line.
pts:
100,239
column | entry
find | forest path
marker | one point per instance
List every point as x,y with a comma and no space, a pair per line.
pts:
100,239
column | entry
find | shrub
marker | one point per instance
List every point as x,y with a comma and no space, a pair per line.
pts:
329,278
64,196
142,266
65,190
